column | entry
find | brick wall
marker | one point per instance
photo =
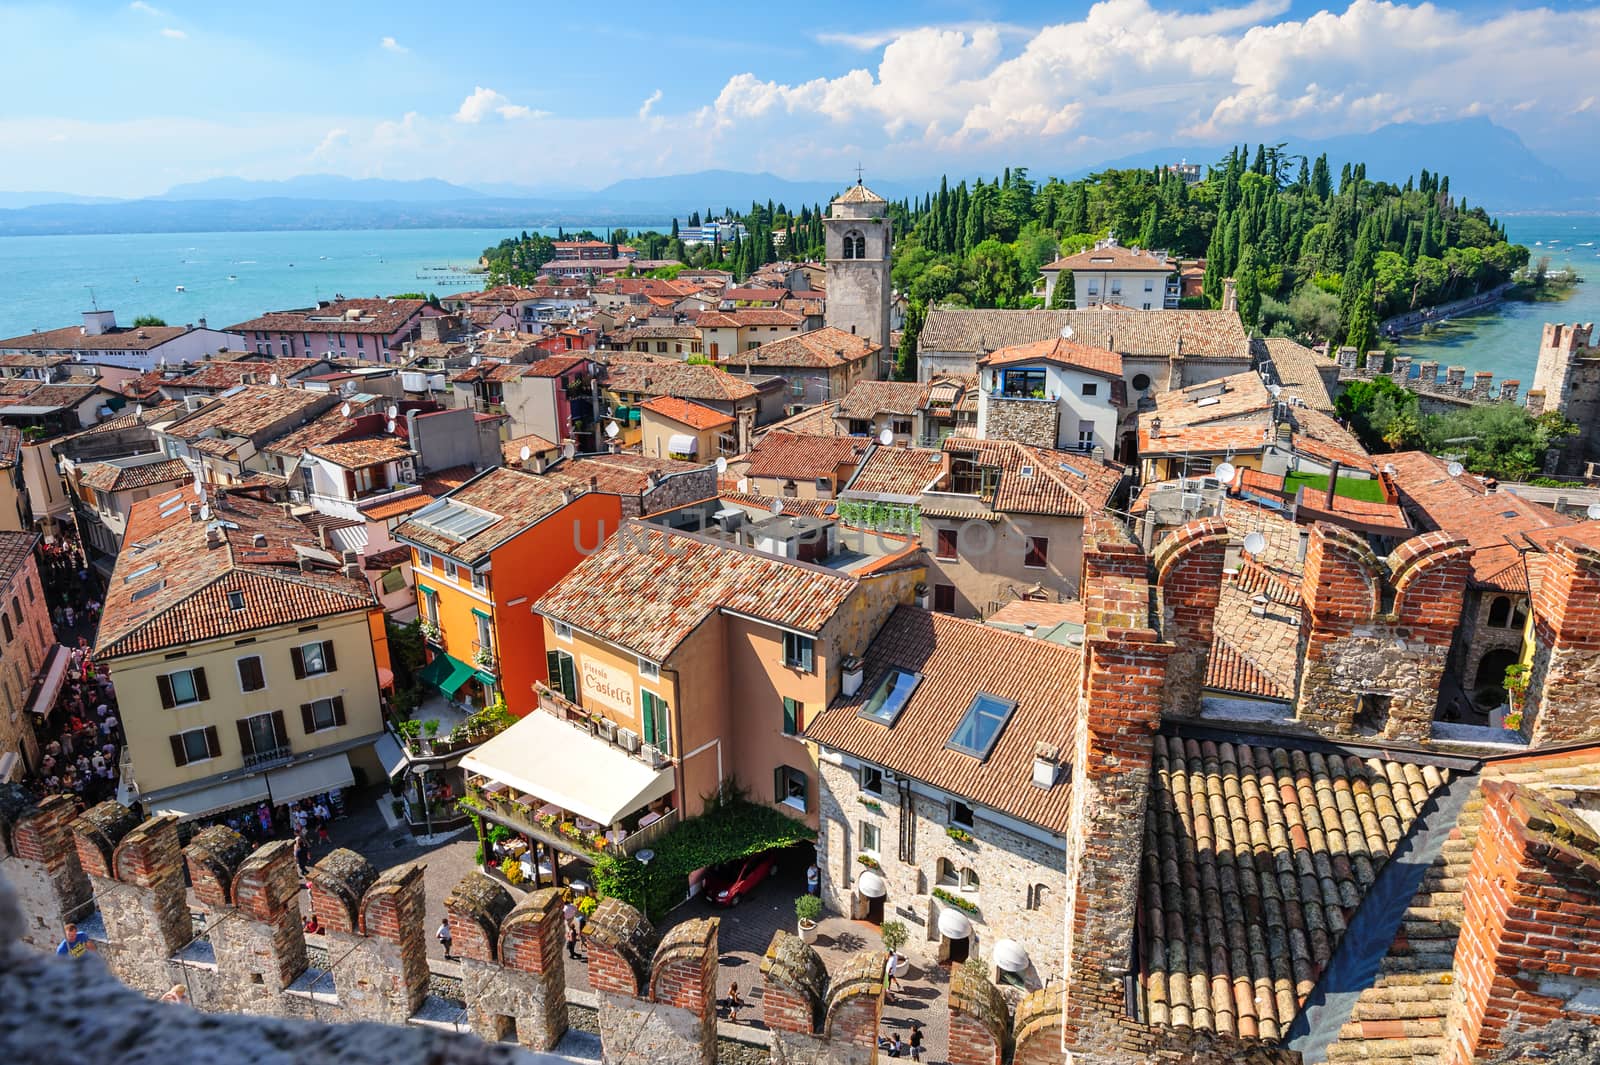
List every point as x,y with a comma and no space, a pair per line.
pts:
1188,566
1529,951
136,871
513,969
1566,663
37,843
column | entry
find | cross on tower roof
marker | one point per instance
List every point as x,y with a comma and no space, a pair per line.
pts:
858,173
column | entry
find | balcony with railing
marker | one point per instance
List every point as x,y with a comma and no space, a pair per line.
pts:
262,758
485,659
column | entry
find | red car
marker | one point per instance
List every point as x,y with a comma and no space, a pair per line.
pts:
725,885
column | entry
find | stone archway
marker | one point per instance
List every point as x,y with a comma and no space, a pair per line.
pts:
1489,681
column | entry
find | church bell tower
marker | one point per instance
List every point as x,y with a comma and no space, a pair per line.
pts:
860,239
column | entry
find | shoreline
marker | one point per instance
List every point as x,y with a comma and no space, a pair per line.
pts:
1414,321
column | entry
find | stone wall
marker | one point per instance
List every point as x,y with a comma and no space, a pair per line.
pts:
36,845
1021,879
1566,664
1567,379
1035,422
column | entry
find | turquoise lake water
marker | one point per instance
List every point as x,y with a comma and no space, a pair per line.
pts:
227,277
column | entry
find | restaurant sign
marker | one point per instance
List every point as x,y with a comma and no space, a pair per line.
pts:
607,685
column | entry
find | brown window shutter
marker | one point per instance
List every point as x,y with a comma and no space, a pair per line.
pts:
246,745
350,484
299,661
279,732
200,690
178,756
213,744
167,701
307,719
327,656
338,709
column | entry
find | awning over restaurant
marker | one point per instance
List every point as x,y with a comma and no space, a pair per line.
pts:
310,778
385,678
216,798
682,444
389,754
55,673
569,768
445,673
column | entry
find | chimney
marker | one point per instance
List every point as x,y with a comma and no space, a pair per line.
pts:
594,484
97,322
850,680
1333,481
540,464
1030,630
213,535
1304,542
259,540
353,570
194,511
202,323
1155,427
1046,764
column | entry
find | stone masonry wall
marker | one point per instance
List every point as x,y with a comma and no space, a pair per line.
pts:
136,871
1035,422
36,844
1565,670
513,969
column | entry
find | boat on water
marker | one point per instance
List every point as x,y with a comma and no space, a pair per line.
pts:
178,288
1587,244
233,277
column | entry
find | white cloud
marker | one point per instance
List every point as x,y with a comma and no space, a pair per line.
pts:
389,44
145,9
1128,70
332,140
649,102
174,34
872,40
485,102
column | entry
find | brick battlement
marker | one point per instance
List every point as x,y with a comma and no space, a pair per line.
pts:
1455,388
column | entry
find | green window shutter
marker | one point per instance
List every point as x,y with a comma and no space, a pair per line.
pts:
569,677
777,785
648,706
791,717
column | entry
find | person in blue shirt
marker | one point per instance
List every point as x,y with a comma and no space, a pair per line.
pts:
75,943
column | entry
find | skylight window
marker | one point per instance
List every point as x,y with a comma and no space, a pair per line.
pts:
140,572
235,600
147,590
980,726
1070,469
889,698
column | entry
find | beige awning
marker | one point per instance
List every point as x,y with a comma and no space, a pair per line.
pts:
569,768
214,799
310,778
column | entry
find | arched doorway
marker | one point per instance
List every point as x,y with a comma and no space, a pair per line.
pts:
1489,683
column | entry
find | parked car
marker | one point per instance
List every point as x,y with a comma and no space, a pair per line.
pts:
726,884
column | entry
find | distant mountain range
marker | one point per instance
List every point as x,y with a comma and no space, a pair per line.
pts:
1487,164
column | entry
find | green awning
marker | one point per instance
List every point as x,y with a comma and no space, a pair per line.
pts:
446,673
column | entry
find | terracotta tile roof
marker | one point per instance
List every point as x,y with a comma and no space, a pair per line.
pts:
248,412
906,472
28,360
512,500
73,338
624,474
328,425
1038,612
793,506
820,348
1063,352
15,549
511,450
106,477
868,398
1205,439
754,295
377,316
792,456
133,416
1255,654
387,559
812,421
746,316
394,504
1198,334
32,393
1116,257
1255,858
227,374
170,588
684,380
648,588
694,415
1403,1015
1298,370
1039,480
858,193
365,451
10,445
958,659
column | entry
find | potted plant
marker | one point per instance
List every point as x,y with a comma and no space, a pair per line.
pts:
894,935
430,631
1516,695
807,910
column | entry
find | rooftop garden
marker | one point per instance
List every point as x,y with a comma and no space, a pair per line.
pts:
1368,491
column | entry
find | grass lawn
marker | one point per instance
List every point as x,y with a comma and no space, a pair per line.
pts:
1349,487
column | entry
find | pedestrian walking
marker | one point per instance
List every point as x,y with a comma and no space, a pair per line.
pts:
735,1003
300,858
916,1041
444,936
892,970
574,920
74,944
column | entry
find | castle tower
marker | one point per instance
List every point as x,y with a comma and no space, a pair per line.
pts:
859,241
1567,379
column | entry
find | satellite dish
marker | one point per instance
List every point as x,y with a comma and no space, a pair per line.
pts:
1254,543
722,464
345,410
138,410
569,449
474,360
1275,390
777,507
1225,472
205,513
390,425
1067,333
611,430
1455,469
394,412
886,437
526,453
1593,511
273,380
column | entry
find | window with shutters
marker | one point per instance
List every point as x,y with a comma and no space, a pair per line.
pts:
948,544
183,687
944,598
792,712
263,738
653,718
195,745
563,677
790,787
251,677
1038,554
322,714
798,652
313,659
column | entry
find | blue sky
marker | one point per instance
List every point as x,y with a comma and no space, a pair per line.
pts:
127,99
